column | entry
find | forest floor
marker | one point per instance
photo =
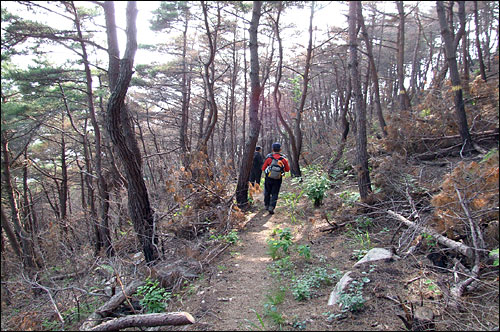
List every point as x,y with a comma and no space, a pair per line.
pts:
247,291
244,289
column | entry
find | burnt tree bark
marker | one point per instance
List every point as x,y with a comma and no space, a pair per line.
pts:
124,139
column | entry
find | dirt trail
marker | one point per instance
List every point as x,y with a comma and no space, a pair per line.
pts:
246,278
224,301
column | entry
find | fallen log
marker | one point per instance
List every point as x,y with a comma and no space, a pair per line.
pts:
146,320
460,247
487,133
108,307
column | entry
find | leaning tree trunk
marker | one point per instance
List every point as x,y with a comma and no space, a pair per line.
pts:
255,91
24,238
361,142
123,138
450,49
11,236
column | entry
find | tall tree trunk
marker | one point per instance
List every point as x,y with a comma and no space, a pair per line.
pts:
209,78
344,124
255,92
86,176
123,138
404,100
465,54
373,68
102,185
232,127
364,183
63,189
294,167
482,69
183,137
245,96
415,65
451,57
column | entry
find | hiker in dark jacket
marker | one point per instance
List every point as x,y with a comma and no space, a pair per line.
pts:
272,185
256,171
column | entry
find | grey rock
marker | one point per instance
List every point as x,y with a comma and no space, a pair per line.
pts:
376,254
339,288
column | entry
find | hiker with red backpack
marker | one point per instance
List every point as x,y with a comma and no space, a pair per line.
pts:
274,167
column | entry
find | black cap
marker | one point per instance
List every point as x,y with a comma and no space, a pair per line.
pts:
276,146
257,148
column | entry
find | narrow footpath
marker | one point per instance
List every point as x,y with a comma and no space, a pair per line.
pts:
236,289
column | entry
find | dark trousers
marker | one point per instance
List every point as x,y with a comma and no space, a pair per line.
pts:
271,191
255,175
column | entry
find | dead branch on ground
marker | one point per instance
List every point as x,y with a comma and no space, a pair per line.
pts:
109,306
460,247
146,320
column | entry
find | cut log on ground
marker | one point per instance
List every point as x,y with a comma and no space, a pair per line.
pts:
109,306
460,247
147,320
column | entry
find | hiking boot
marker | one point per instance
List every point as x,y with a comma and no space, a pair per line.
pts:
267,207
271,210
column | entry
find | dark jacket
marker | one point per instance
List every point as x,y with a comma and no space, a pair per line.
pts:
258,160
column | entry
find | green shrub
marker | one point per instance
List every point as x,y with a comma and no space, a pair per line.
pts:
279,246
349,197
316,183
291,201
314,278
494,253
364,222
271,306
282,267
153,297
231,237
304,251
352,299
